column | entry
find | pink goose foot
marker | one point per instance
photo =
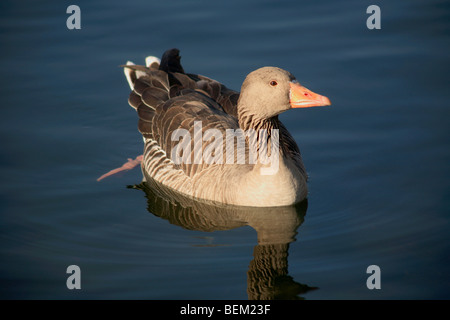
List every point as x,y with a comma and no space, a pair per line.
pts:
125,167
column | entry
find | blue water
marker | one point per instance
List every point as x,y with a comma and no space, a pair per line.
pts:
378,158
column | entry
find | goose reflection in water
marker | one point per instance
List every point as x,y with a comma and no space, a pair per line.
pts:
276,227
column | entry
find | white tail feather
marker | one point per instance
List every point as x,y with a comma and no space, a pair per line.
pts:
128,72
148,61
151,59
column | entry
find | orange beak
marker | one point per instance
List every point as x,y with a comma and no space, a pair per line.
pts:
300,97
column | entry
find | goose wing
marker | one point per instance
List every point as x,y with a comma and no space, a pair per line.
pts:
171,107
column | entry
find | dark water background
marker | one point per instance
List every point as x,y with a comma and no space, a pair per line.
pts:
378,158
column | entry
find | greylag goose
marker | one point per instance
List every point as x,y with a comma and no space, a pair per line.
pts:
209,142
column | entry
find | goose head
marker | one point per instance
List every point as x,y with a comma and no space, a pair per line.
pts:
269,91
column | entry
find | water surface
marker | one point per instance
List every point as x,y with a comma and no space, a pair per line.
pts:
378,158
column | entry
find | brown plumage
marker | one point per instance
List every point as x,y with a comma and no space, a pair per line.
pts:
167,99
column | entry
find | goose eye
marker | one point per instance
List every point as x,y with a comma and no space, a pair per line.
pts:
273,83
